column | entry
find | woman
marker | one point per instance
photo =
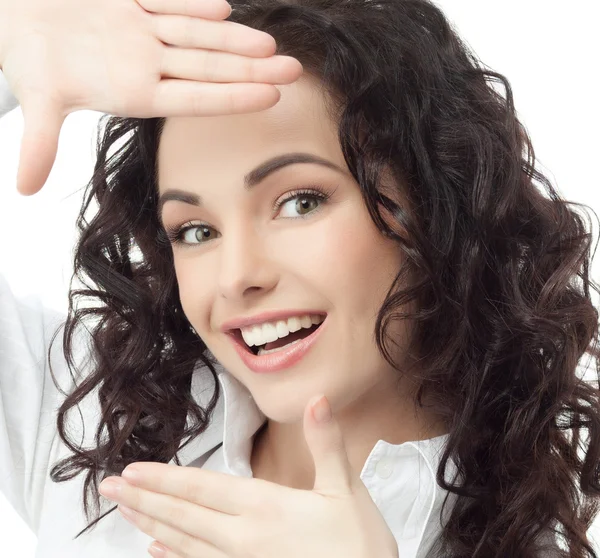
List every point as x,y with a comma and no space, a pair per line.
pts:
400,240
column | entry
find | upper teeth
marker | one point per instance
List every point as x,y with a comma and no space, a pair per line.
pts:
271,331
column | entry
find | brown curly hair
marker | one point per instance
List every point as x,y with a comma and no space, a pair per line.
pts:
498,261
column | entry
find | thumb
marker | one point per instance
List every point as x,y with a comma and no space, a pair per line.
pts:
333,472
39,145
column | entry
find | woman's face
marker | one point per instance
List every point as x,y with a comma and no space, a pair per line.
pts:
246,257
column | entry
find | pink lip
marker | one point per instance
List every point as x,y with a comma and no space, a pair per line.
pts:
280,360
269,316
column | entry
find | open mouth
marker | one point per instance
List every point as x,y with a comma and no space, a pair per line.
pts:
278,344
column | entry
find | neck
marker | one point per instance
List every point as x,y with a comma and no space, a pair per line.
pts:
280,453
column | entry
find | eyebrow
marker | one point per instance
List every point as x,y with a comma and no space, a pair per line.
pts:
254,177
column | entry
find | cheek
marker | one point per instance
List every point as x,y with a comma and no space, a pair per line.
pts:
193,288
354,259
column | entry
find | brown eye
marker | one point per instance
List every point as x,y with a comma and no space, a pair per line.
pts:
191,234
305,205
198,233
302,204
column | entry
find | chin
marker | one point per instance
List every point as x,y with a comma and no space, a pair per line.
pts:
282,412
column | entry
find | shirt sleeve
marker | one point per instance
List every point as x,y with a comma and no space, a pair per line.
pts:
28,399
7,100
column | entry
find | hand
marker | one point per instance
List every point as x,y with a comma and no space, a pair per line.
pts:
144,59
198,513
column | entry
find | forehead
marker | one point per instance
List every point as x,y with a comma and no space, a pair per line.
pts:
218,145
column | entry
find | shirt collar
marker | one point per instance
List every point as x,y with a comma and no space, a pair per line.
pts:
242,420
236,418
393,473
233,423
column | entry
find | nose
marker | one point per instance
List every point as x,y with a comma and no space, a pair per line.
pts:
245,264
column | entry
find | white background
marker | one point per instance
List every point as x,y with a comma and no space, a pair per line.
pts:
549,51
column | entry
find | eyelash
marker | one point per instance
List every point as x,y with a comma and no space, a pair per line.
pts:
175,234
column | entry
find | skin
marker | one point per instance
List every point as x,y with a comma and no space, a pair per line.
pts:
257,259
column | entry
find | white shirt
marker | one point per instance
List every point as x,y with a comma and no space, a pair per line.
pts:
7,100
400,478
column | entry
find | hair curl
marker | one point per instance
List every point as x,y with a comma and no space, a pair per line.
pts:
499,273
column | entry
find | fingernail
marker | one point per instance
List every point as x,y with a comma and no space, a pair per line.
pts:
130,473
157,550
110,488
322,410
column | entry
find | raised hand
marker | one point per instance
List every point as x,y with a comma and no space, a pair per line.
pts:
144,59
194,513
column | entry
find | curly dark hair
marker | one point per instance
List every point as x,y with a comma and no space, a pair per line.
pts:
497,266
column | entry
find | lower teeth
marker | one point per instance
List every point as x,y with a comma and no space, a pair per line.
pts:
262,351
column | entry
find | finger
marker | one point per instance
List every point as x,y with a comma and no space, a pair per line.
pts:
228,494
175,97
225,36
154,513
222,67
333,472
177,542
39,145
212,9
208,553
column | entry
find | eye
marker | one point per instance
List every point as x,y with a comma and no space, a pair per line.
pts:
305,202
200,234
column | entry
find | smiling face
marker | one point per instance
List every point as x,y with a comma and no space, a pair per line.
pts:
299,237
